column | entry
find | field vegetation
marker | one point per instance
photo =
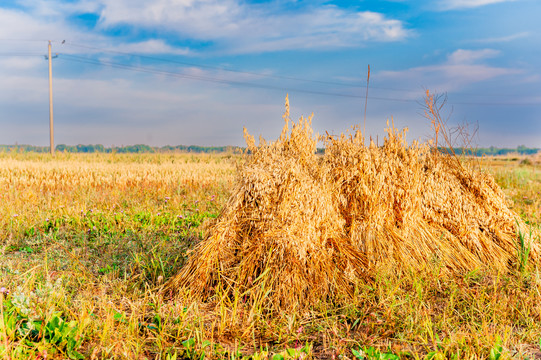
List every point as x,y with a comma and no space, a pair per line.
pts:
87,242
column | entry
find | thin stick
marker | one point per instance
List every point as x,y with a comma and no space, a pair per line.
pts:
366,100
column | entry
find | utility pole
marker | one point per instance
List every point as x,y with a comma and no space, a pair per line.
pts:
51,132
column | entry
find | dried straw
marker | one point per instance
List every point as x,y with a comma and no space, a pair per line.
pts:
410,207
299,228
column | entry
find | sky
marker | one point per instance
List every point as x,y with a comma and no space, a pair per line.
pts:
195,72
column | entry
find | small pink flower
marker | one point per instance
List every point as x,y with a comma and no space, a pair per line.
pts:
3,290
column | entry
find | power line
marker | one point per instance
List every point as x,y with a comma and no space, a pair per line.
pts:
411,91
281,77
28,40
19,54
215,79
80,59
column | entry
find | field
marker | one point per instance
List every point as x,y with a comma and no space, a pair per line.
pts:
87,241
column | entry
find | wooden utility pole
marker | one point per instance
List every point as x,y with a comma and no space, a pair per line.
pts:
51,132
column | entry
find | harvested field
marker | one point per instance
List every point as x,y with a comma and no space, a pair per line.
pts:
365,252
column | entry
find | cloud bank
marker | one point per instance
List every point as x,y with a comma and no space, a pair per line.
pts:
242,27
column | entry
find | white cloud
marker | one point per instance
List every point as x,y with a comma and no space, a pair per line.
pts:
462,68
230,26
56,8
46,20
466,4
151,47
17,24
19,63
462,56
243,27
23,26
503,39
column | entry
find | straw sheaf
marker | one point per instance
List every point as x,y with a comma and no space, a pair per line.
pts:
300,228
280,233
409,207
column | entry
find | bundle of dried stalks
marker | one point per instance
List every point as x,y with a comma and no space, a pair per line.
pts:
409,207
280,236
299,228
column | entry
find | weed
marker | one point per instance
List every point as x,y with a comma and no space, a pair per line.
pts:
22,321
524,248
371,353
496,350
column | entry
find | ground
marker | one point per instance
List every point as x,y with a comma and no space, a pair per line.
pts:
86,241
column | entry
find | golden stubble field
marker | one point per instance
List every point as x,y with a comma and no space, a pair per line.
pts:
86,242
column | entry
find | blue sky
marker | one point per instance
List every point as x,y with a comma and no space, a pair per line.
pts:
197,71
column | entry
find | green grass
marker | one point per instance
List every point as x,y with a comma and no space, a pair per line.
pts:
82,265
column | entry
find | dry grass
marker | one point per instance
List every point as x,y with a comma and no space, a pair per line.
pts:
521,184
71,187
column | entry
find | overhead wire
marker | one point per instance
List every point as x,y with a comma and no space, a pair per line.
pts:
199,65
81,59
282,77
29,40
19,54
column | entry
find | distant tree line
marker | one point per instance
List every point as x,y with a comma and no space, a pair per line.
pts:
493,151
136,149
141,148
